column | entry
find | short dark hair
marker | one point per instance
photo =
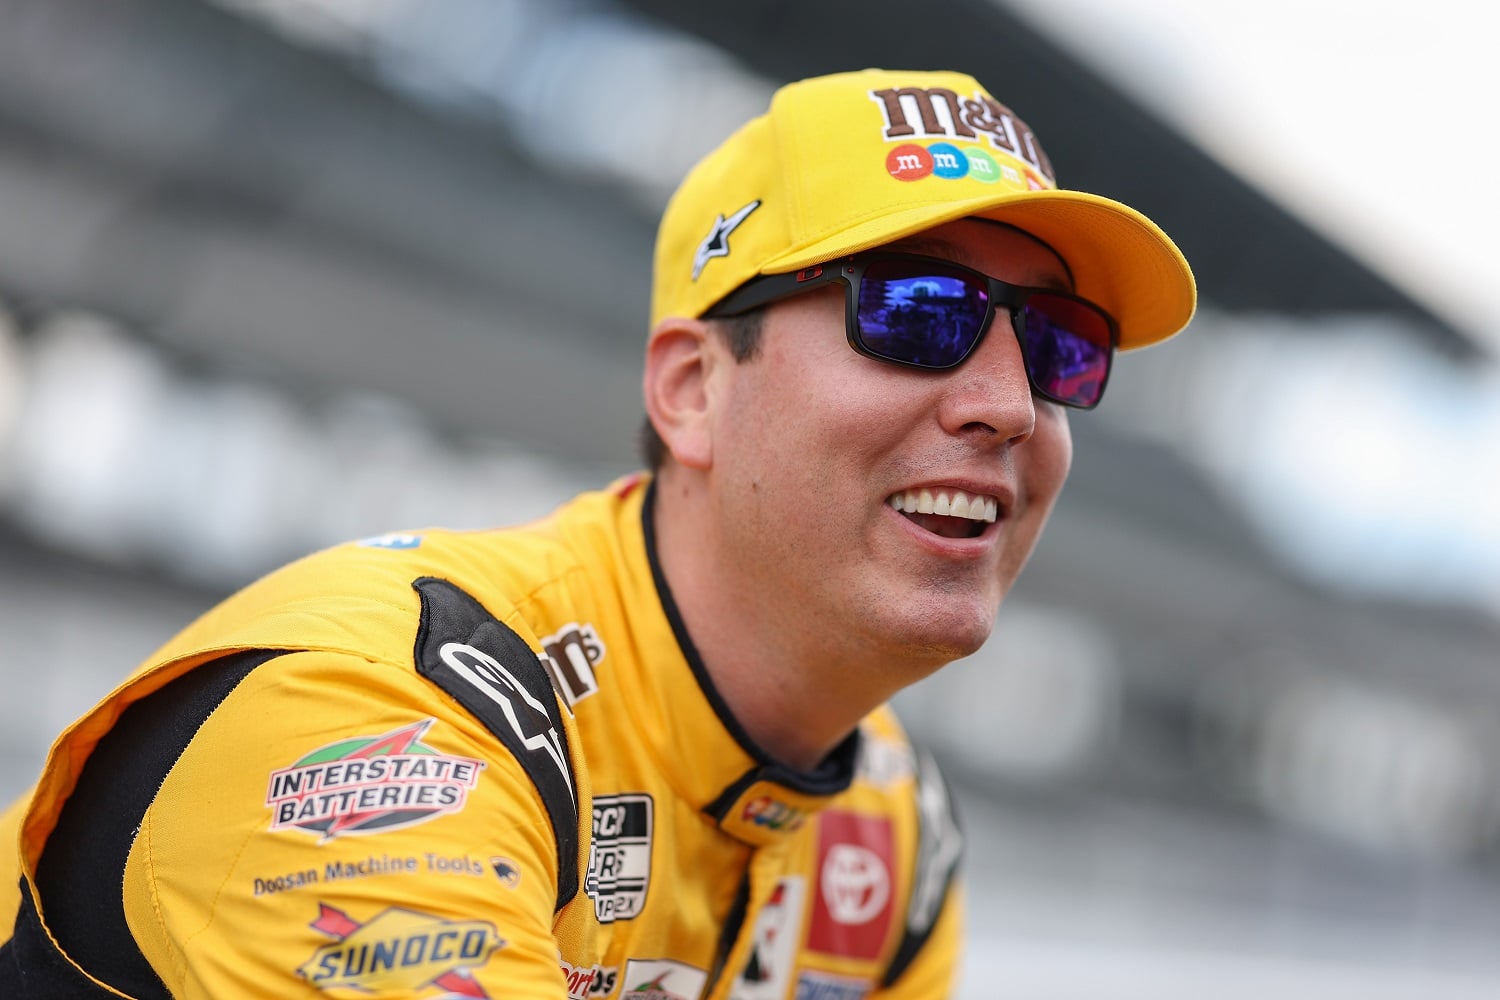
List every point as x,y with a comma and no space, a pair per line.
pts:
742,334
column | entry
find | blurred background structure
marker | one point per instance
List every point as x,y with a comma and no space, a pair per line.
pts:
278,273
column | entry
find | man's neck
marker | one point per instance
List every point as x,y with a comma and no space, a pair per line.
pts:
797,692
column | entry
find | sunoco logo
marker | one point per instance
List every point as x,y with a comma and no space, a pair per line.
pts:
370,784
400,949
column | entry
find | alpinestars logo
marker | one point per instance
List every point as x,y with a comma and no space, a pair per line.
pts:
716,243
526,714
400,949
370,784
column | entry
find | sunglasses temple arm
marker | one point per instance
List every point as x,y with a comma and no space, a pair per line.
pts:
771,287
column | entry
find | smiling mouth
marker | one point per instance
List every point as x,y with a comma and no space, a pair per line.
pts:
952,514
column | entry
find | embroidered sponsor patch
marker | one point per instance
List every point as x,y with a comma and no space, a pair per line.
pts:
400,949
370,784
272,884
506,871
571,653
853,903
587,981
349,869
960,124
773,951
662,979
821,986
716,243
911,112
763,810
620,857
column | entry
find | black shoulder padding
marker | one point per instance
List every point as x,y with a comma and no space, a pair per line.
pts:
490,671
939,848
82,866
31,968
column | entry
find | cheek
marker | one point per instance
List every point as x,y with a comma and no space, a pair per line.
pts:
810,408
1049,455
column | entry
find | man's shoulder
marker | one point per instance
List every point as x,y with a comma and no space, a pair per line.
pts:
341,596
591,533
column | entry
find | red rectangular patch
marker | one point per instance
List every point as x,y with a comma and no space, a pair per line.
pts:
855,885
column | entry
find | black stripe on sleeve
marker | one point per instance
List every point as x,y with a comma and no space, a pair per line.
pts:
81,872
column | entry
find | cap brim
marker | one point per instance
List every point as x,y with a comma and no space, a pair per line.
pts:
1119,258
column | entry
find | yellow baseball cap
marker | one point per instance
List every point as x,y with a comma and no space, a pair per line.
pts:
852,161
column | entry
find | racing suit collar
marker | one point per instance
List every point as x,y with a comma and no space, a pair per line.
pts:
737,783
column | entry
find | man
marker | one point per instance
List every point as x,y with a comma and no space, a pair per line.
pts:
638,749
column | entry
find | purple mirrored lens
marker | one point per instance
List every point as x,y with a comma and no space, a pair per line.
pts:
1067,347
928,318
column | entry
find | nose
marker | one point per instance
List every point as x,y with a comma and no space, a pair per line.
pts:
989,396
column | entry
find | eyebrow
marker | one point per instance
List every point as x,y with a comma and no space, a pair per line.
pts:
933,246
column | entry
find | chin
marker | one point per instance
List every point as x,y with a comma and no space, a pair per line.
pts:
945,637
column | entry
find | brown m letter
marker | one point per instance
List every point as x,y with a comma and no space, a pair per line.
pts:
926,101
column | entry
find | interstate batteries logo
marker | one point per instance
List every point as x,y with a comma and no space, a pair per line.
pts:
400,949
370,784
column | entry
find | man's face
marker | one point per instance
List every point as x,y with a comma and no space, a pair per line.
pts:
815,447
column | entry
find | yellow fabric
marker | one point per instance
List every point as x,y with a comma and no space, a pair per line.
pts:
847,162
227,895
10,876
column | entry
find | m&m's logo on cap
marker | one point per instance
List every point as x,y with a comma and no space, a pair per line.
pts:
960,124
910,162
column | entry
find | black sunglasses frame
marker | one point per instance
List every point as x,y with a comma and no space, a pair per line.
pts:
850,271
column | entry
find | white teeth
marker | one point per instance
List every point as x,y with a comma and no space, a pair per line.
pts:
954,504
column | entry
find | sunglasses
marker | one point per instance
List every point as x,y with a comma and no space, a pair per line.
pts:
930,313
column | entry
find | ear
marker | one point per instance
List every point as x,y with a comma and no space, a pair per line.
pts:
681,356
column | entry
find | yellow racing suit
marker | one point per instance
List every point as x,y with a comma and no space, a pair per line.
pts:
483,764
